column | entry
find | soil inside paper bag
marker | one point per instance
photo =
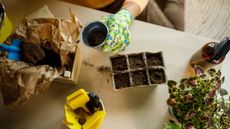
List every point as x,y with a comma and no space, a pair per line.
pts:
57,38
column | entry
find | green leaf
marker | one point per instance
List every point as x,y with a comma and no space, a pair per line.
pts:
228,112
197,93
222,105
219,73
184,80
211,72
172,125
203,76
222,80
223,92
171,83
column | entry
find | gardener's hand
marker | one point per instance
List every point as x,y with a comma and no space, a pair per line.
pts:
119,35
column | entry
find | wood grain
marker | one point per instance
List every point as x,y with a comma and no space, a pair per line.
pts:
209,18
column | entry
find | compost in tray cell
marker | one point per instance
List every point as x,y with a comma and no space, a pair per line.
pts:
136,61
119,63
157,76
138,69
122,80
154,59
139,78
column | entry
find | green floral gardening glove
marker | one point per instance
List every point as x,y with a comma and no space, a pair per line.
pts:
119,35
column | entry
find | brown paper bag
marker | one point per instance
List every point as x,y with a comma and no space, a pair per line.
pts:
19,80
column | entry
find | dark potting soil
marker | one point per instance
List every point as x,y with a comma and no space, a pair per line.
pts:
32,53
139,78
40,55
52,59
104,69
119,63
88,64
81,115
94,103
136,61
70,60
122,80
96,37
154,59
157,76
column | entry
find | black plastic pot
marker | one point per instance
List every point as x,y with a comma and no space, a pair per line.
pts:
94,34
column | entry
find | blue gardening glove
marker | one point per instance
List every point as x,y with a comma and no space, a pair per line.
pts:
119,35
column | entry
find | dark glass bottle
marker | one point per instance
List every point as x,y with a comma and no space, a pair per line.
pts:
211,54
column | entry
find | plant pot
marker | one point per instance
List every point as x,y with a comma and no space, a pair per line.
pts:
94,34
173,114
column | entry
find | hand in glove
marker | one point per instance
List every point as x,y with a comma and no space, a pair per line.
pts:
119,35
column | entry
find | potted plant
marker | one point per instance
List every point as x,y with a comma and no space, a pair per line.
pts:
199,102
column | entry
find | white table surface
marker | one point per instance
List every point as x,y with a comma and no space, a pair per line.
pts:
136,108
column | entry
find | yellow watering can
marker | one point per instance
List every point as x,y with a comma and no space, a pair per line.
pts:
5,24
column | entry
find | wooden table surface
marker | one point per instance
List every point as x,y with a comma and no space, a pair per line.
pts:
134,108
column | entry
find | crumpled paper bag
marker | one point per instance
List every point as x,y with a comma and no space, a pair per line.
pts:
19,80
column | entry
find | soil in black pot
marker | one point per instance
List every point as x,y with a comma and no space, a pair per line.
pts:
154,59
96,37
119,63
121,80
136,61
139,78
157,76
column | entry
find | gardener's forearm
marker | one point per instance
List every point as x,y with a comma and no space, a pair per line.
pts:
135,6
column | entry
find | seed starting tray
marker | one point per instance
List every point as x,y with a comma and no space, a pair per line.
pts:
137,69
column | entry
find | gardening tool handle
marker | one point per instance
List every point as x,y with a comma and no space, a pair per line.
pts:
7,48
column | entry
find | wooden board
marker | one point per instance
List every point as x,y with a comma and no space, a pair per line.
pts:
135,108
209,18
75,73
